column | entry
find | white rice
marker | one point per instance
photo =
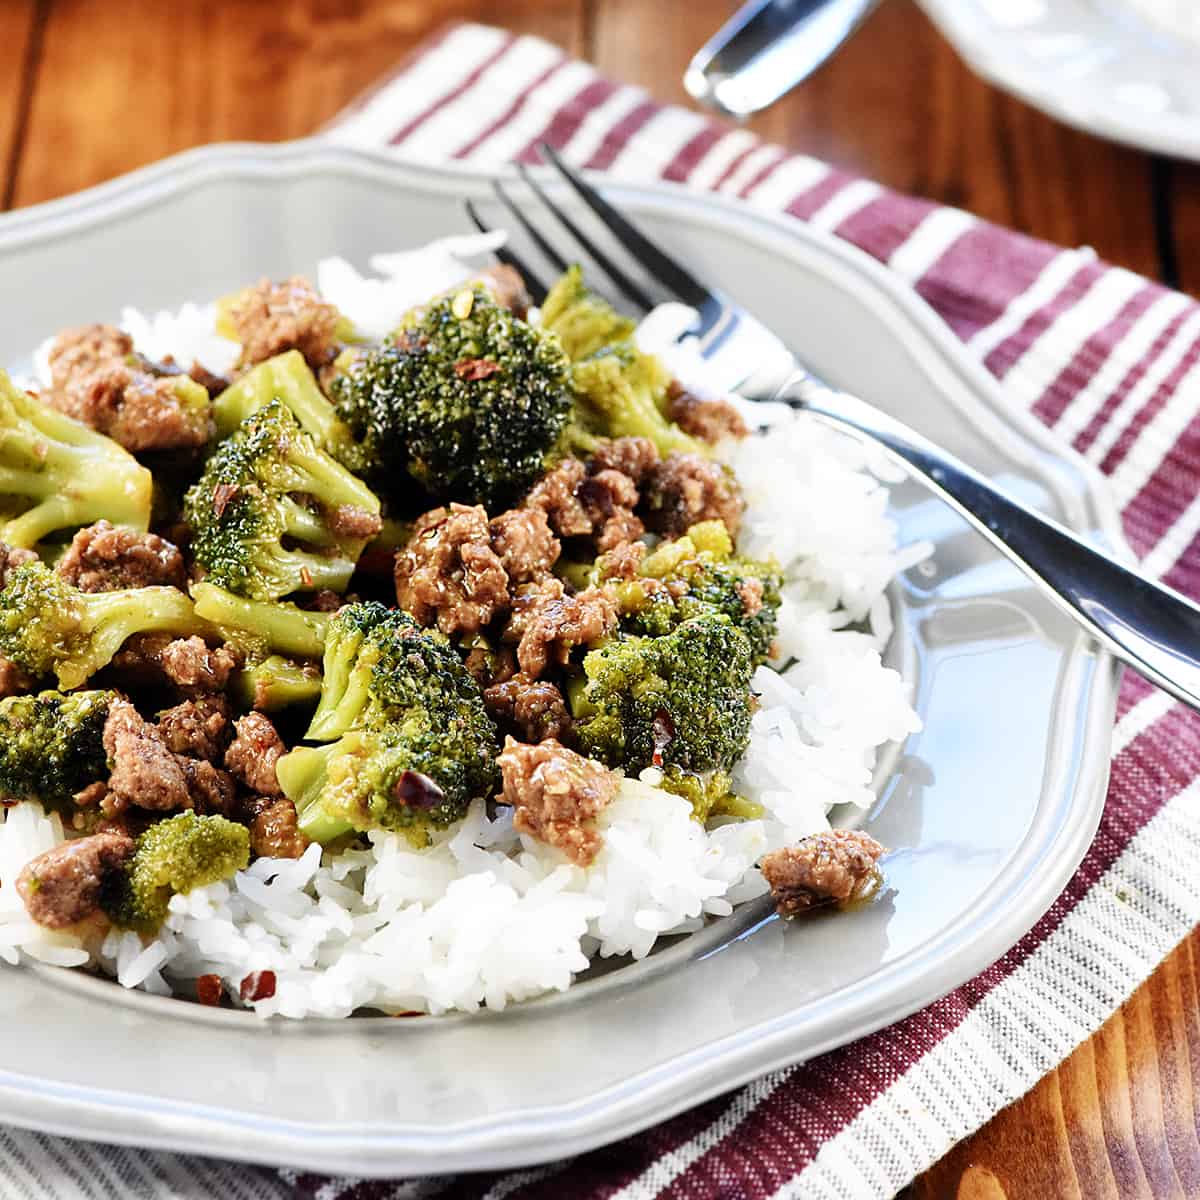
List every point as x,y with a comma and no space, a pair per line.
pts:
486,916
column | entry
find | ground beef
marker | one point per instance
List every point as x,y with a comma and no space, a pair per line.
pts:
102,558
14,680
274,833
685,489
449,574
632,456
254,752
197,728
826,868
556,794
489,665
524,543
350,521
553,623
555,495
507,287
63,886
11,557
272,318
195,668
210,789
75,352
581,502
145,773
90,796
533,709
623,560
750,593
97,380
711,420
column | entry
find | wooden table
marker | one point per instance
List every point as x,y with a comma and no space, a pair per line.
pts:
91,88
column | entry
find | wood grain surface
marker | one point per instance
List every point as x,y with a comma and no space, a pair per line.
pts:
81,101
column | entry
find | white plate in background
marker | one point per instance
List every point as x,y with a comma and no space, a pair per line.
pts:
1128,70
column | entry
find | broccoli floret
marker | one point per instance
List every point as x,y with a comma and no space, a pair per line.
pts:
49,627
51,746
288,379
704,576
710,794
263,514
173,857
261,627
584,322
56,473
466,399
682,700
276,683
619,390
414,742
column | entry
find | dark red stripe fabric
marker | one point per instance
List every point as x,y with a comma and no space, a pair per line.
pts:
883,226
510,112
1092,355
410,126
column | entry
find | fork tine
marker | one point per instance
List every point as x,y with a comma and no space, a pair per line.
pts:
536,288
535,236
671,274
622,281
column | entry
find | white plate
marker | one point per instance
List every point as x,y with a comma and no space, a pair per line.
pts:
990,808
1103,66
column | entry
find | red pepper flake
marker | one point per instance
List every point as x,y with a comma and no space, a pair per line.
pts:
208,990
306,577
223,493
415,790
258,985
664,734
476,368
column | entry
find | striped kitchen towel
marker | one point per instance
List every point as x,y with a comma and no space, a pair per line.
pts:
1105,358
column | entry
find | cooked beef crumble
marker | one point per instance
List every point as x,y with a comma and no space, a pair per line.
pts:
556,795
826,868
64,885
271,318
448,574
97,380
102,558
254,752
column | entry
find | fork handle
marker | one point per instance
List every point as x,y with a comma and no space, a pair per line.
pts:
1150,627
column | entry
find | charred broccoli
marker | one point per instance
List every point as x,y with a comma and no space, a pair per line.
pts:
274,514
175,856
414,742
466,399
703,574
56,473
49,627
261,627
678,701
619,390
52,747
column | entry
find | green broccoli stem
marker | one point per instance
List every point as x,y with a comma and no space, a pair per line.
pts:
110,619
276,683
282,628
302,775
285,378
326,480
73,475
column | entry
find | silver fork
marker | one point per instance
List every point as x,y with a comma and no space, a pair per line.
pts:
1150,627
